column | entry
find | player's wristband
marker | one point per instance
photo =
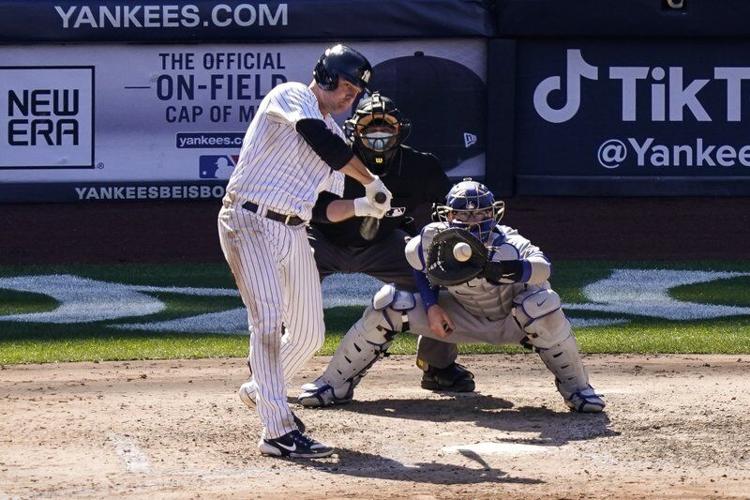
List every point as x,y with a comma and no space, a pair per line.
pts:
428,293
507,271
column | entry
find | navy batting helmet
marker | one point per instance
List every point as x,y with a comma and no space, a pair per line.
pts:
345,62
471,205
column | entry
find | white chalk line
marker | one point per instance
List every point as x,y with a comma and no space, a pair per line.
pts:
135,460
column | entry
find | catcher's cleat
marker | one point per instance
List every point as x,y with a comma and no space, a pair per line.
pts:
583,401
294,445
318,394
247,395
453,378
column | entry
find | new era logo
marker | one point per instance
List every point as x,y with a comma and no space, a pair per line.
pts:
46,117
469,140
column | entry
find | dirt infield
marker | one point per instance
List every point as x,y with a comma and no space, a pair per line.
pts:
566,228
675,427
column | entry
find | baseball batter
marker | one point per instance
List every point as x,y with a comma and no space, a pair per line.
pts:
510,302
293,150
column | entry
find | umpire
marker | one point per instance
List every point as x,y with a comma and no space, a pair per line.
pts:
377,132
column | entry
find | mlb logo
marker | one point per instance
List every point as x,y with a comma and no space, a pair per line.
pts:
216,167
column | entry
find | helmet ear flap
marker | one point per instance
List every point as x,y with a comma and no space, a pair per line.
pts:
324,78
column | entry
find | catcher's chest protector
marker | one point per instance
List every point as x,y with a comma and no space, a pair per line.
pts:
482,298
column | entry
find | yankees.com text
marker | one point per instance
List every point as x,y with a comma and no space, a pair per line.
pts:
171,16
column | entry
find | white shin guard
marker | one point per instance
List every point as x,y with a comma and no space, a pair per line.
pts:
538,311
564,361
362,346
571,378
365,342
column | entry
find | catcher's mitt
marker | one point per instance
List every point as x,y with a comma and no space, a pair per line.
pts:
443,267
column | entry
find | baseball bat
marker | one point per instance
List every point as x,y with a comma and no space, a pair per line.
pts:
370,225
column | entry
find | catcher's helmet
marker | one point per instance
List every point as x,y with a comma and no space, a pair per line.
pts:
345,62
471,205
376,129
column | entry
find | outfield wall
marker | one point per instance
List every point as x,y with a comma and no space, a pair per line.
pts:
140,101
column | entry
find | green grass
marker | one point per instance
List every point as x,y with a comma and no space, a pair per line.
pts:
40,342
12,302
119,347
731,292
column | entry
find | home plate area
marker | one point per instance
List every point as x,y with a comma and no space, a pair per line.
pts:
175,429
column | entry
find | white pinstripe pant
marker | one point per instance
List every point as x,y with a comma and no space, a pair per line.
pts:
275,272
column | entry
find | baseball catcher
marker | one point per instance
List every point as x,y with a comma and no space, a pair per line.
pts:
479,282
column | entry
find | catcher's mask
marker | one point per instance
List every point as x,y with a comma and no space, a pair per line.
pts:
470,205
340,61
376,129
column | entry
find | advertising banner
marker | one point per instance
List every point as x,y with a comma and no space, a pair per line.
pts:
626,19
657,118
103,118
222,21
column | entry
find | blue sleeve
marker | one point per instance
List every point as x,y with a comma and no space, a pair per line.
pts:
526,271
428,293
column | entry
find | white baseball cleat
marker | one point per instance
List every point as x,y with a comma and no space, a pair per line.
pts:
247,394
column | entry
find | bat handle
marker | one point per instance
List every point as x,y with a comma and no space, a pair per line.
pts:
369,228
370,225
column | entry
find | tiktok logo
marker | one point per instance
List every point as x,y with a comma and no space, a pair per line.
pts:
577,69
667,93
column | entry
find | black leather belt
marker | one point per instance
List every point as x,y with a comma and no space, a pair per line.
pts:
289,220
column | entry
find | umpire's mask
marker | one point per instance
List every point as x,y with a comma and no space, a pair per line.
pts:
376,129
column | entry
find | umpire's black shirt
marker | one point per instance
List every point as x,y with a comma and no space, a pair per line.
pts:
416,181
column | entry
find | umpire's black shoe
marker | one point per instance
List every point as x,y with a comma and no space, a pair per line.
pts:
453,378
294,445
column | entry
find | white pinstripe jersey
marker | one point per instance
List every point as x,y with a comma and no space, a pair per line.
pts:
277,169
